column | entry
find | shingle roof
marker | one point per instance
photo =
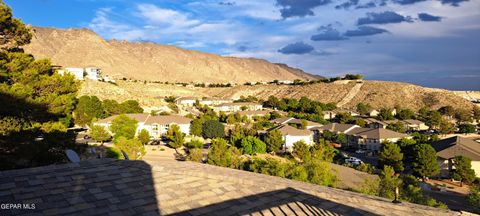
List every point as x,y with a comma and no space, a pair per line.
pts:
111,187
455,146
289,130
376,133
290,120
254,112
413,122
167,119
338,128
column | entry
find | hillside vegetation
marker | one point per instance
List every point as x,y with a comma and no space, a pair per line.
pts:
150,61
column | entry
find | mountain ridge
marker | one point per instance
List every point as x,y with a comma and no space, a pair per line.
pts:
151,61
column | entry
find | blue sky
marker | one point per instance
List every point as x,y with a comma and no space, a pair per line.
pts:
429,42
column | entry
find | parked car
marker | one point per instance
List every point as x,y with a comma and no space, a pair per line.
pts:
353,160
360,151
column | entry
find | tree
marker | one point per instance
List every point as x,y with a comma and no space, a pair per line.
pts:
196,127
143,136
195,143
213,129
446,127
175,136
13,33
301,150
252,145
343,118
466,128
463,115
476,113
340,138
405,114
87,109
385,114
388,182
474,197
319,172
425,161
391,155
432,118
195,154
111,107
99,133
463,170
447,111
131,106
274,140
363,109
397,126
123,126
132,147
219,153
298,173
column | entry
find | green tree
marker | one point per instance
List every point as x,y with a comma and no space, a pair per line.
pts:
301,150
99,133
87,109
213,129
219,153
405,114
463,115
13,32
363,109
175,136
340,138
343,118
474,198
297,172
390,155
132,147
319,172
463,170
111,107
385,114
466,128
397,126
195,154
252,145
196,127
447,111
323,150
425,161
446,127
123,126
388,182
131,106
194,143
274,141
143,136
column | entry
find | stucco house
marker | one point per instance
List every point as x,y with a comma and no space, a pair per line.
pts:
451,147
374,123
292,135
332,127
327,115
155,125
235,107
373,113
78,73
415,125
372,138
214,101
93,73
186,101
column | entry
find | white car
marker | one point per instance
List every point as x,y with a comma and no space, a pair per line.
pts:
360,151
353,160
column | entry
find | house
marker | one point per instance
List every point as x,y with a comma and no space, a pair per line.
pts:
107,78
186,101
297,122
214,101
332,127
451,147
373,113
292,135
374,123
155,125
372,138
415,125
287,82
76,72
327,115
235,107
254,113
351,112
93,73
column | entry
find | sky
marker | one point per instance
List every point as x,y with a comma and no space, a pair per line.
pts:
434,43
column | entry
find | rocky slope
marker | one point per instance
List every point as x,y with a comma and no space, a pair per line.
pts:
149,61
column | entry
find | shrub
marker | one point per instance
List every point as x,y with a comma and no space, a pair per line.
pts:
219,153
251,145
213,129
194,143
112,152
195,154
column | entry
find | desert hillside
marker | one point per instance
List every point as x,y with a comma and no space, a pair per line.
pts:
377,93
149,61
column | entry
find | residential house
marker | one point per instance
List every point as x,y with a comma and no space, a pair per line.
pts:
448,149
373,113
93,73
297,122
287,82
214,101
415,125
292,135
254,113
78,73
374,123
332,127
372,138
235,107
155,125
186,101
327,115
351,112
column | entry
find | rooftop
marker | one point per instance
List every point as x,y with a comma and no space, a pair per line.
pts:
376,133
455,146
114,187
289,130
148,119
338,128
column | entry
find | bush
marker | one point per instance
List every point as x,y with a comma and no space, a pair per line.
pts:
213,129
252,145
112,152
194,143
219,153
195,154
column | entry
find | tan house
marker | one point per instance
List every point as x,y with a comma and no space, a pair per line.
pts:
449,148
415,125
374,123
214,101
155,125
186,101
254,113
327,115
373,113
235,107
292,135
372,138
332,127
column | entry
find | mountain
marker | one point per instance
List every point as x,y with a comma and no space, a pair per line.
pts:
150,61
